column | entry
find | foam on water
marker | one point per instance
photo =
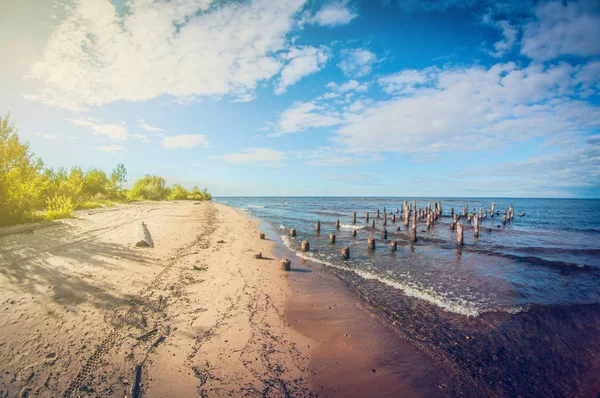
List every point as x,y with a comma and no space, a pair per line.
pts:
351,227
454,305
256,206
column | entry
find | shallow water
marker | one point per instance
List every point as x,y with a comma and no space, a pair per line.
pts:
515,312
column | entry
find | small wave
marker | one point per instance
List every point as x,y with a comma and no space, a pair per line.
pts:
281,226
256,206
330,213
351,226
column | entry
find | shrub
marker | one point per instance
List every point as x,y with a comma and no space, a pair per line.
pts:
59,207
149,188
178,193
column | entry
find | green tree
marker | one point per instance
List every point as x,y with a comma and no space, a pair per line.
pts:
95,182
178,193
21,177
149,187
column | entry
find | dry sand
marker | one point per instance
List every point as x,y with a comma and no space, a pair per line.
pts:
86,313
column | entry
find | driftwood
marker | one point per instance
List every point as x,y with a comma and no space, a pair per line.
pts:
142,236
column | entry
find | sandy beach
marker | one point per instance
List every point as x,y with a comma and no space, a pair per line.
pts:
86,313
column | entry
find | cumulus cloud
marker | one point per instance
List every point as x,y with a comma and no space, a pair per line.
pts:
332,14
509,33
305,115
114,132
184,141
301,61
350,85
260,156
148,127
571,28
357,62
406,81
184,49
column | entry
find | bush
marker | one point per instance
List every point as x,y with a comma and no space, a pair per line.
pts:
59,207
149,188
178,193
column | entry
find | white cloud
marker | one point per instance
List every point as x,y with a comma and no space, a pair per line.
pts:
111,148
140,137
304,115
148,127
184,141
470,109
406,81
114,132
350,85
261,156
302,61
333,14
562,29
357,62
509,33
181,48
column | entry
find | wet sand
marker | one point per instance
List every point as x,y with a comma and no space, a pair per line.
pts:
85,313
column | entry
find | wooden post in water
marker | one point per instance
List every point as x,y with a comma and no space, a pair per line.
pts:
406,216
286,265
262,235
393,218
440,208
293,232
305,246
353,233
318,227
384,234
354,218
345,253
428,221
485,214
397,210
493,207
413,231
332,238
459,229
384,220
393,245
480,213
476,226
469,218
373,224
337,224
504,219
377,213
367,218
452,211
371,244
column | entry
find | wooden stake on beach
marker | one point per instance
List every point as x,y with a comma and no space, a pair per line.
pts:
305,246
393,245
459,238
262,235
332,238
293,232
476,226
354,218
371,244
345,253
318,227
286,265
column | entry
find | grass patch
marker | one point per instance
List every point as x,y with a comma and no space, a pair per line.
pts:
95,204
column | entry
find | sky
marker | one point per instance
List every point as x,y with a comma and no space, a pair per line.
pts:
299,97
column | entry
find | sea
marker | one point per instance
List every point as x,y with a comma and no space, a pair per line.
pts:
514,311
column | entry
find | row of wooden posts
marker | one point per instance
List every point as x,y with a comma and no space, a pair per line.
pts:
413,214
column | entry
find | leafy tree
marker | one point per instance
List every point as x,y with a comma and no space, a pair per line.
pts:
95,182
178,193
149,187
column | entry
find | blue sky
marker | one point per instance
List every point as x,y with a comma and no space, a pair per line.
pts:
295,97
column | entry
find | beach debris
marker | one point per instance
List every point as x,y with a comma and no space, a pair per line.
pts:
353,233
345,253
371,243
459,230
262,235
220,241
318,227
332,238
136,390
142,236
393,245
293,232
305,246
147,335
286,265
258,256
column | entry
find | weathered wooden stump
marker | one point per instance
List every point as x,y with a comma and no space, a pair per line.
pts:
286,265
393,218
305,246
384,234
413,231
318,227
393,245
373,224
397,210
353,233
377,213
142,236
371,244
293,232
354,218
452,225
428,221
337,224
452,211
503,219
263,236
384,221
459,230
258,256
367,217
331,238
345,253
476,226
469,219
